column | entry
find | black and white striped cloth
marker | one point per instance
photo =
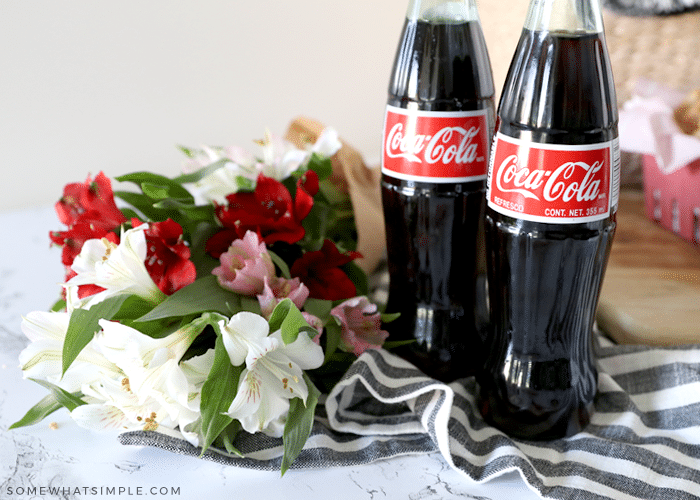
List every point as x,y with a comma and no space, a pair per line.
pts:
651,7
643,441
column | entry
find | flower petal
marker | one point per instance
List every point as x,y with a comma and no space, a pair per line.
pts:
254,406
303,351
242,330
99,417
43,325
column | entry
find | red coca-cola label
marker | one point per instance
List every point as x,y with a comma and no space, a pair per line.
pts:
434,146
551,183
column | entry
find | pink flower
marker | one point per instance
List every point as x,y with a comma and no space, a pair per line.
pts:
316,323
245,266
276,289
360,325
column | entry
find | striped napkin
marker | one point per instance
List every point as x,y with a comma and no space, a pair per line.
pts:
651,7
643,441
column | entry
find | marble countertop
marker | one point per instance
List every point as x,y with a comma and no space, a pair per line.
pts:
58,459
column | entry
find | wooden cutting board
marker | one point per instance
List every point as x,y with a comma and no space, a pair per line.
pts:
651,292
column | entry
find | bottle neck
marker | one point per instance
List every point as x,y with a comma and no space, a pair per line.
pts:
442,11
569,16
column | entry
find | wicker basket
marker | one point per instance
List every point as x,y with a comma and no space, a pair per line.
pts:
661,48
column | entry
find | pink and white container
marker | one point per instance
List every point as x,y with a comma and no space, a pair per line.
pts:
670,158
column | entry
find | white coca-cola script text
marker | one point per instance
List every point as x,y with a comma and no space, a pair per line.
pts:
448,145
558,183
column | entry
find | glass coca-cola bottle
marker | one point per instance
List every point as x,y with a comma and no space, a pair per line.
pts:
552,197
438,127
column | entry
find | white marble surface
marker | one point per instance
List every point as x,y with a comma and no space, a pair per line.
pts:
85,464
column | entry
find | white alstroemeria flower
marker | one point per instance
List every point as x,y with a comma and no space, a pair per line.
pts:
281,158
180,389
328,143
114,405
273,373
119,269
42,359
241,332
224,180
152,365
155,390
196,370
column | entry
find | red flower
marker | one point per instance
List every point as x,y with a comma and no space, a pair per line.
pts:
168,257
321,273
89,211
90,201
270,211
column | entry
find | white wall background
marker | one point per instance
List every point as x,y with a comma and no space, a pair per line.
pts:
88,85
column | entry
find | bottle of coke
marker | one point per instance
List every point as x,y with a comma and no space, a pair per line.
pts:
437,132
552,197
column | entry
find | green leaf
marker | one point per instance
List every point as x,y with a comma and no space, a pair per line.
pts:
84,324
226,438
133,307
284,268
218,392
64,398
343,231
142,203
316,223
157,186
203,295
288,318
250,304
199,235
300,421
319,308
397,343
38,412
245,184
59,305
196,213
202,172
334,196
358,277
333,334
155,191
186,151
389,317
279,314
322,165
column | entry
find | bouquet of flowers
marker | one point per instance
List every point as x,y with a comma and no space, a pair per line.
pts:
224,300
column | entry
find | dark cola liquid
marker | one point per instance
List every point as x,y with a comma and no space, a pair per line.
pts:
432,228
544,279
